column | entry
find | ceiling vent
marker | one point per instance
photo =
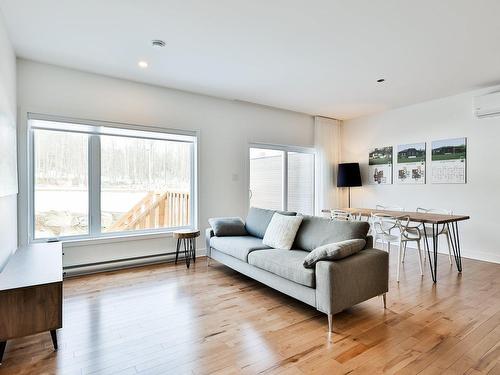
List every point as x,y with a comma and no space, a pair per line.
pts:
487,105
158,43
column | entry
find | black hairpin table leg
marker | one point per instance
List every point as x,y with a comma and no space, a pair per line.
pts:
432,260
193,244
455,243
177,250
187,251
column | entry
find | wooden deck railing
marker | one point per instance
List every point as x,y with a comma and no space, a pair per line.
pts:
156,210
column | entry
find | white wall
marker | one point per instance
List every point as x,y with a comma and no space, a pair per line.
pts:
225,128
449,117
8,204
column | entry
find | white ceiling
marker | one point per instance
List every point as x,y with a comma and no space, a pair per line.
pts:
318,57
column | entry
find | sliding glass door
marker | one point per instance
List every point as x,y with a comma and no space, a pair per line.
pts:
282,178
266,178
301,182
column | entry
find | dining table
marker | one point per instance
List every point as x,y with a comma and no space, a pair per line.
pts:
432,225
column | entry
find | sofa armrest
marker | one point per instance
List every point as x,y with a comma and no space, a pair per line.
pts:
209,233
343,283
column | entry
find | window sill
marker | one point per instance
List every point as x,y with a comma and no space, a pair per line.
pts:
115,239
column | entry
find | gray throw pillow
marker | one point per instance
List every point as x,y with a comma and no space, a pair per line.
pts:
334,251
318,231
228,226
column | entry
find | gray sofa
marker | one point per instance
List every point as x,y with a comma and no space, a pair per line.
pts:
331,286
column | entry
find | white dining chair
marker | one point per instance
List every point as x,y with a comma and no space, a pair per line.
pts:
400,231
356,216
385,208
443,232
408,233
382,226
340,215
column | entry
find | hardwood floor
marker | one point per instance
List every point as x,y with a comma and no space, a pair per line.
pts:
165,319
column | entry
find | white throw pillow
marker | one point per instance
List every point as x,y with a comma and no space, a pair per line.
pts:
281,231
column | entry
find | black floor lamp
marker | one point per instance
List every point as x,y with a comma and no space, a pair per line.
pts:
348,176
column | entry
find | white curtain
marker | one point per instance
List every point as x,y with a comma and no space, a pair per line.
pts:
327,144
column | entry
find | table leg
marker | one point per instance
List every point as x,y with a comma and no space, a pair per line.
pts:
187,252
193,241
53,334
435,241
434,246
2,349
455,244
177,250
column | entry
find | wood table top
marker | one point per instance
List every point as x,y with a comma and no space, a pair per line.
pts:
420,217
186,233
35,264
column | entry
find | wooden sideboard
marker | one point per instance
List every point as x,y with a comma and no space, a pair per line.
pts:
31,293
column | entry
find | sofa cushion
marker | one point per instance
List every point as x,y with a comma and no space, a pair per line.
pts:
284,263
228,226
281,231
334,251
317,231
237,246
259,218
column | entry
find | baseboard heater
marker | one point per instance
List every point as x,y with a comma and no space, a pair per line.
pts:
111,265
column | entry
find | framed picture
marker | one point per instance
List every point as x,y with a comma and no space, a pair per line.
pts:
380,166
449,161
410,163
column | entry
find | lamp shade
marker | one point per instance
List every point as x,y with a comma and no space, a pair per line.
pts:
348,175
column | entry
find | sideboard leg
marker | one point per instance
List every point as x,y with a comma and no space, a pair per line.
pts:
385,300
53,334
2,349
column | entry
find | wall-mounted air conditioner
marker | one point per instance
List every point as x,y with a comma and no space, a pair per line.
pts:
487,105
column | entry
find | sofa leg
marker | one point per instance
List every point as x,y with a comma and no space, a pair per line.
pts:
330,323
385,300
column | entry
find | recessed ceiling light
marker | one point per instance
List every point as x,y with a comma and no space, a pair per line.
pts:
380,80
142,64
158,43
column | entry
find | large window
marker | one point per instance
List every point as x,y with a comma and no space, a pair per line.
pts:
282,178
92,180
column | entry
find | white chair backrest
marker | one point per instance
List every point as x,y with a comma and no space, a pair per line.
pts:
434,211
383,224
358,217
339,215
389,208
408,232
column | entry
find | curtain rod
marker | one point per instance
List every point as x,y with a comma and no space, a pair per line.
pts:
329,118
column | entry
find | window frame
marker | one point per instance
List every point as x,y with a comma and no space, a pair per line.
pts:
285,149
94,129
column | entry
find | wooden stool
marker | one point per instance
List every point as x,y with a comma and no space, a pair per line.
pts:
188,239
